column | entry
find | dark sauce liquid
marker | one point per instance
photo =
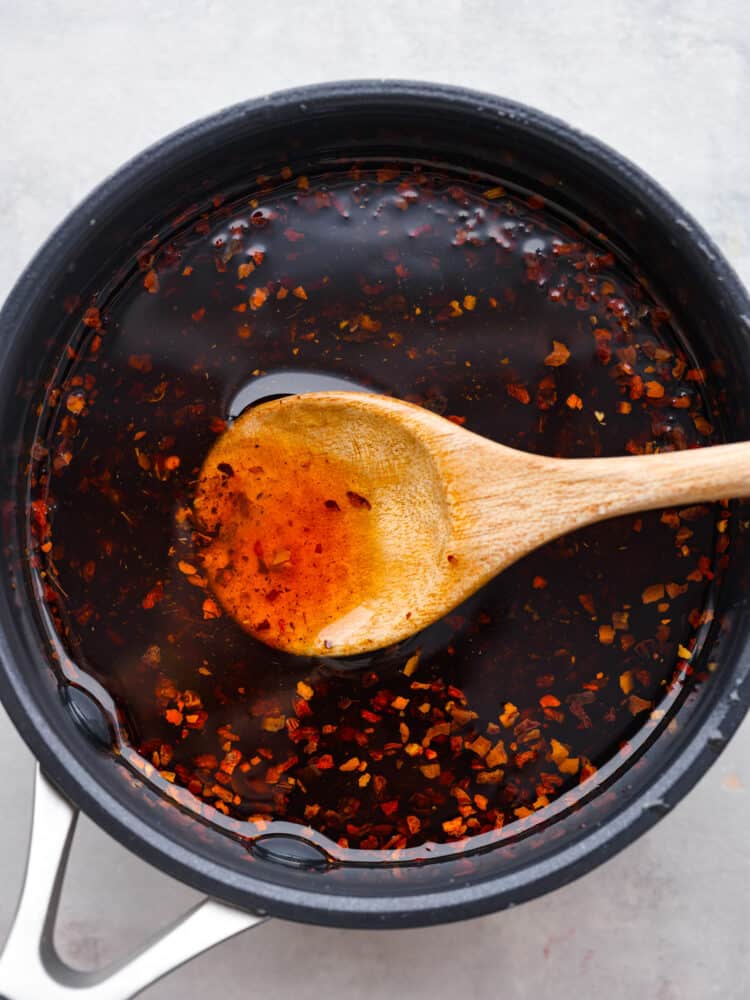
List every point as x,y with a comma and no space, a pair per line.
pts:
487,306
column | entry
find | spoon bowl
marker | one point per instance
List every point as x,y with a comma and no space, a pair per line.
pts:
340,522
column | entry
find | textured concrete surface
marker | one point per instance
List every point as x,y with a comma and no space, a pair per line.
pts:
84,84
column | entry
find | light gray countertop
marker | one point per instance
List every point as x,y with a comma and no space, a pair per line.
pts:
85,84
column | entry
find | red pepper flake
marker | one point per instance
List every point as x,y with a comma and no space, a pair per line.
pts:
702,425
273,723
430,771
304,690
524,758
637,387
606,635
481,746
497,755
653,593
173,717
621,620
509,715
587,770
210,609
637,704
350,765
258,297
470,302
198,315
151,282
539,583
558,355
410,667
223,794
299,292
153,596
244,332
75,403
574,402
519,392
389,807
231,760
454,827
587,603
494,193
301,709
92,318
493,777
366,322
358,501
546,395
414,824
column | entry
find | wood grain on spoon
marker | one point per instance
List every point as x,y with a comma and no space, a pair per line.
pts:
342,522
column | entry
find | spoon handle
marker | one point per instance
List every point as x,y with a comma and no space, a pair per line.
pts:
606,487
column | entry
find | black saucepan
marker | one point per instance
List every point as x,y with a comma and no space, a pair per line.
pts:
367,119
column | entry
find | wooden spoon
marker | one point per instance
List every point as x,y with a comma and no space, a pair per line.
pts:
422,513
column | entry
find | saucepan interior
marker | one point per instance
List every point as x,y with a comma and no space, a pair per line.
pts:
371,122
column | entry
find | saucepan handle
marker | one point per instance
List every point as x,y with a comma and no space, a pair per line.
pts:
31,969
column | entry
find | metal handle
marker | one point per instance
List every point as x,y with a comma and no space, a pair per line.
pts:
31,969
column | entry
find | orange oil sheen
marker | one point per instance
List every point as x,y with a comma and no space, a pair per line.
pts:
288,539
